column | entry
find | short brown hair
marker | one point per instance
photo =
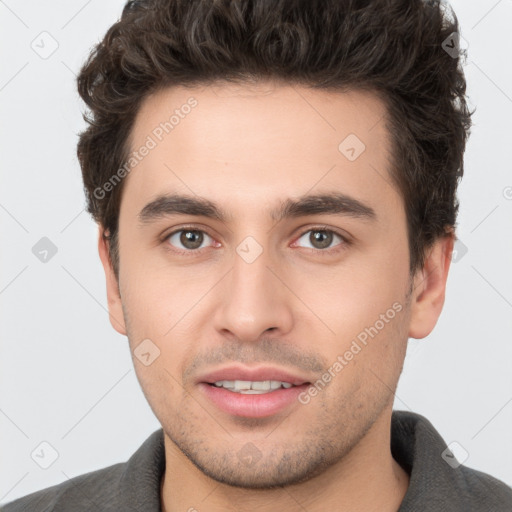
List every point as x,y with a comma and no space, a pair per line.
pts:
394,48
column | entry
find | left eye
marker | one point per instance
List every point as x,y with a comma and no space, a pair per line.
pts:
190,239
320,238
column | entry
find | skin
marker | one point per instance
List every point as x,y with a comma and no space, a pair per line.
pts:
247,149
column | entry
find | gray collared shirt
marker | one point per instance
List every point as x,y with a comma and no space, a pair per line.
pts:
436,484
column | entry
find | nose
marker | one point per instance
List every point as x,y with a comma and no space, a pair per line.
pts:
253,300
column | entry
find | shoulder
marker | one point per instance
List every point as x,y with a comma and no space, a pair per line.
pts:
484,492
133,485
96,490
437,480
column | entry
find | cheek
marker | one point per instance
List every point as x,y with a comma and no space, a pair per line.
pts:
161,305
363,304
355,294
150,291
159,341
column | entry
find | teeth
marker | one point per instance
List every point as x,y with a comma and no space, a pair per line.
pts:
263,385
252,387
225,383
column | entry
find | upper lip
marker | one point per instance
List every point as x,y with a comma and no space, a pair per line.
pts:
252,374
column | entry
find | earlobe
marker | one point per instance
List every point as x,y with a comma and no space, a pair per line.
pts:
429,288
115,308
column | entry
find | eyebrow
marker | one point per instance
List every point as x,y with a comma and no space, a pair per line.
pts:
328,203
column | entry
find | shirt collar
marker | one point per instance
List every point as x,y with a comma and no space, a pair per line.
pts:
415,445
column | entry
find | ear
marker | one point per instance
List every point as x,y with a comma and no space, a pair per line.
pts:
115,308
429,287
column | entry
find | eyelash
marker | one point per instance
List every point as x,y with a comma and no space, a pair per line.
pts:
324,252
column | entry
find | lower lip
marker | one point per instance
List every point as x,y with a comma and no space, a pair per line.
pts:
252,406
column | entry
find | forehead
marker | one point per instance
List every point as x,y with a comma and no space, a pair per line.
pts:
260,112
259,140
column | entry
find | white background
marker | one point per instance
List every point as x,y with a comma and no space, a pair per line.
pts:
67,377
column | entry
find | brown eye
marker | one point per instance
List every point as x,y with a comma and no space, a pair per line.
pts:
189,239
320,239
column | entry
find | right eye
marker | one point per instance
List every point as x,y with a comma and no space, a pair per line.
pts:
187,240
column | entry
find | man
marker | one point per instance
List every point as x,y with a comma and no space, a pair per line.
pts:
275,187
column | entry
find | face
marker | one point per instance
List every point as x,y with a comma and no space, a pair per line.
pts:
258,243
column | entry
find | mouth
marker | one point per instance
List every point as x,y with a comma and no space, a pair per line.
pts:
252,393
255,387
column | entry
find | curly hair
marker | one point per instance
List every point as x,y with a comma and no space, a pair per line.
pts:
396,49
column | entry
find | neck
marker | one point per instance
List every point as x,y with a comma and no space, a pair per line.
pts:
366,479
